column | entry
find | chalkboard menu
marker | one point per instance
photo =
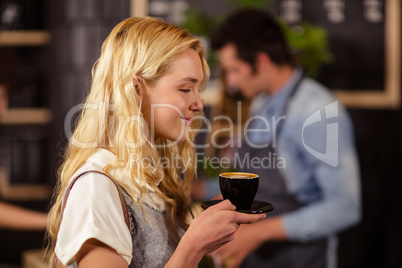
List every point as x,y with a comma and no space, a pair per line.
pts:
357,41
364,38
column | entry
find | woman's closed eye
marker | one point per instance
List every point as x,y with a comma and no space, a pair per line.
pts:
185,90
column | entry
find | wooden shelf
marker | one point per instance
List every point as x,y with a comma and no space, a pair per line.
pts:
21,116
24,38
22,191
33,258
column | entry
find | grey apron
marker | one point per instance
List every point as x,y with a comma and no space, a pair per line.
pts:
272,189
154,238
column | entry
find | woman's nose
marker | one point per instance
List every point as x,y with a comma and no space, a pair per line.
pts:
197,104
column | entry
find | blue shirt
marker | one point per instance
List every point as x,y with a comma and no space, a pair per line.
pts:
316,144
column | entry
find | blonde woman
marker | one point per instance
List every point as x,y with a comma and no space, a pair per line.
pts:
136,128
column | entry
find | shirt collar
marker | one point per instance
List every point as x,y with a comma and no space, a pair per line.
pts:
104,157
276,102
271,108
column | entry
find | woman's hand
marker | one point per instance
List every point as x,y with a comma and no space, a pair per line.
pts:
209,231
216,225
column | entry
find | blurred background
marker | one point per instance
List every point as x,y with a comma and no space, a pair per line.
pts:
47,49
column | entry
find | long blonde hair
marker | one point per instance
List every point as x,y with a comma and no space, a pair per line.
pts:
144,47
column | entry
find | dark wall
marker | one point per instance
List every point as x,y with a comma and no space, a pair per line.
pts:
78,29
375,241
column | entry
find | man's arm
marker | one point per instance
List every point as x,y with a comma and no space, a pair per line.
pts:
339,205
14,217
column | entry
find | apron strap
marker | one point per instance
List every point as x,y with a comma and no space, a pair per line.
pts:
286,106
126,214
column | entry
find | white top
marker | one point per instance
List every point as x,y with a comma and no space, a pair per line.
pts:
94,210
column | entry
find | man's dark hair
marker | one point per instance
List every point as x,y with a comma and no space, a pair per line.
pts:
253,31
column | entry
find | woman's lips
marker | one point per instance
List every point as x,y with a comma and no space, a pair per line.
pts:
188,120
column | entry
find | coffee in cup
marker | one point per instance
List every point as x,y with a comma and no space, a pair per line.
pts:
239,187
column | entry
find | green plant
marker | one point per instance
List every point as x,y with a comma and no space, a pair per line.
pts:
198,22
309,42
202,24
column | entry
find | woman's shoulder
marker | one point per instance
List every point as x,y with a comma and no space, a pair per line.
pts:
93,181
93,209
93,167
93,192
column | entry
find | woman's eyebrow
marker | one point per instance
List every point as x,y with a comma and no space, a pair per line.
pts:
188,79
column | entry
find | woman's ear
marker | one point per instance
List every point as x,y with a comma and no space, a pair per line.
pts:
137,81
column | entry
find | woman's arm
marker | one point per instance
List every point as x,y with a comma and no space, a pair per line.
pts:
94,253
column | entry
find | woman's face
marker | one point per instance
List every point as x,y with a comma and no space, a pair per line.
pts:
175,98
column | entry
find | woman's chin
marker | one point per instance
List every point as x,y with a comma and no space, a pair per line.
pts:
176,139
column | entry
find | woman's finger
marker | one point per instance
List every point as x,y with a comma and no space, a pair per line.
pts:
224,205
248,218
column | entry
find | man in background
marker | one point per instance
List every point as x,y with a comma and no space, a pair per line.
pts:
316,189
